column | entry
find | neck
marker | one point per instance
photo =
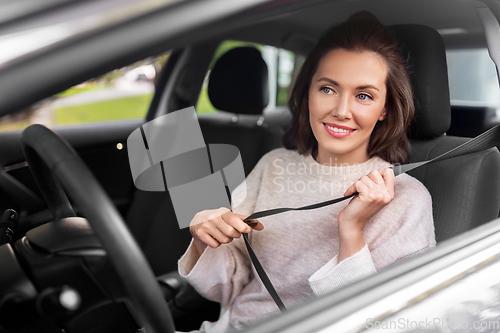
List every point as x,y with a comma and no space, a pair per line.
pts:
334,160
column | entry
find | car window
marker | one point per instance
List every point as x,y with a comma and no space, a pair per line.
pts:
281,65
124,93
473,78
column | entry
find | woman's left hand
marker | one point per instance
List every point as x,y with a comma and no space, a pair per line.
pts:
375,191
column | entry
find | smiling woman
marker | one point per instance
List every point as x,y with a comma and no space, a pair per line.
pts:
352,105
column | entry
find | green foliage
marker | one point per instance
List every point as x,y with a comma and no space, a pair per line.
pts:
282,96
115,109
204,105
132,107
229,45
79,89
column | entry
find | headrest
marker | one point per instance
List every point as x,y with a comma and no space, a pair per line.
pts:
238,82
425,51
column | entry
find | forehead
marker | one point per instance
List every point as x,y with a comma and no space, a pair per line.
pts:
352,67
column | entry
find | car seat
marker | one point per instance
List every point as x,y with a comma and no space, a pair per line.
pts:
237,84
465,190
470,121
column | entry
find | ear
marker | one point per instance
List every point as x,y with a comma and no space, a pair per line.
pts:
382,115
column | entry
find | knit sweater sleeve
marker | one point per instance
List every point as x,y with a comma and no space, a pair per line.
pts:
403,228
220,274
334,275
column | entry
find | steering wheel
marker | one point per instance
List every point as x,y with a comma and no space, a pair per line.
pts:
58,170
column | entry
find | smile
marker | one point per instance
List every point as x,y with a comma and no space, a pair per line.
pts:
338,132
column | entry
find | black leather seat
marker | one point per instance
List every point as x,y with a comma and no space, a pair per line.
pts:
465,190
237,84
470,121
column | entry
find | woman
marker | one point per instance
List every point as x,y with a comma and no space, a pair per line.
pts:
352,105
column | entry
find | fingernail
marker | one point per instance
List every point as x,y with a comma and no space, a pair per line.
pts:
248,230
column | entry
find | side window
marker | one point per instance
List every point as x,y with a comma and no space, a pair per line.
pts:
281,65
473,78
124,93
288,66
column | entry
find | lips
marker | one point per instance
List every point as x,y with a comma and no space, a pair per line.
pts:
338,131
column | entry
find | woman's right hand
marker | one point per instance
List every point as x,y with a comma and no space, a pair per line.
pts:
218,226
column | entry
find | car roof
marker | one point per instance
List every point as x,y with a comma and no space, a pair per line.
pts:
124,31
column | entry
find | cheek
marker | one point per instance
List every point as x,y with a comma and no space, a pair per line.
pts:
368,118
315,106
314,117
312,108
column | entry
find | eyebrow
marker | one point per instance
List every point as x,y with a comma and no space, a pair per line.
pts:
357,88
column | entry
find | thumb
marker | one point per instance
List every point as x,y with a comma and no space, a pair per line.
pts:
352,189
253,223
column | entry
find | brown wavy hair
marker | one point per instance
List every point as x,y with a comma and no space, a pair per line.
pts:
361,32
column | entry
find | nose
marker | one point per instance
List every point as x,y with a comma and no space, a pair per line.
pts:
342,110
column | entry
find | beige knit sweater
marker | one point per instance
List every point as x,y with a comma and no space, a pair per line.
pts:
299,249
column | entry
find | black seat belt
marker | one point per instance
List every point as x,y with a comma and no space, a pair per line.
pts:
482,142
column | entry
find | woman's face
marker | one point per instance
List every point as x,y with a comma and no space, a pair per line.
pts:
346,99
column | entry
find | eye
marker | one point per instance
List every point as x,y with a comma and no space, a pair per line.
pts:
364,97
326,90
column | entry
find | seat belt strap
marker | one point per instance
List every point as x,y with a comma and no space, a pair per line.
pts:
263,276
484,141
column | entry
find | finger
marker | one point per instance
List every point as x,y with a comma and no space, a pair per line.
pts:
226,229
369,183
390,179
253,223
209,240
208,215
361,187
350,190
220,236
377,178
236,221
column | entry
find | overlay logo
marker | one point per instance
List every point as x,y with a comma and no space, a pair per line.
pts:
169,153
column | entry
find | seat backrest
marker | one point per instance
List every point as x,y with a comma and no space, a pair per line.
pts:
465,190
470,121
237,84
